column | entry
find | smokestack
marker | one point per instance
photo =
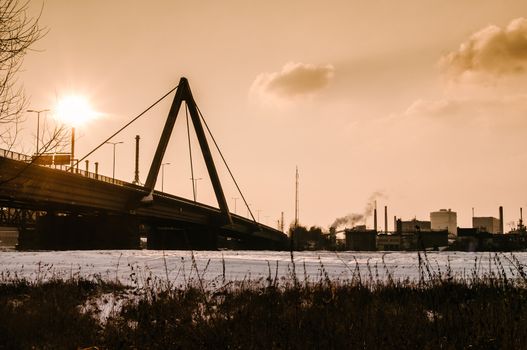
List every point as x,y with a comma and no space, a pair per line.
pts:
136,178
501,220
375,217
385,219
394,223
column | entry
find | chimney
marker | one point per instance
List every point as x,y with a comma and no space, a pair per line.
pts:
375,217
501,220
385,219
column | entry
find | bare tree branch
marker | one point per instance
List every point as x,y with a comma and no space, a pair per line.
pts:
56,141
18,32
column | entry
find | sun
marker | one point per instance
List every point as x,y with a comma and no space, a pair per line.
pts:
74,110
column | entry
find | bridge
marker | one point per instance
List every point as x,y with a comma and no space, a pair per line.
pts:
75,209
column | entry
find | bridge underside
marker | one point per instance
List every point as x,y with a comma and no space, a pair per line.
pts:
81,232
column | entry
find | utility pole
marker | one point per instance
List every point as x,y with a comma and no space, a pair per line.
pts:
163,176
296,199
72,148
195,186
38,122
113,144
136,177
386,219
235,199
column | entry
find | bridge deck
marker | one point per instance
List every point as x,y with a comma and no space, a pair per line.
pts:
37,187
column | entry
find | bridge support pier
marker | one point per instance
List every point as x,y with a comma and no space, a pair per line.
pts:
64,232
167,237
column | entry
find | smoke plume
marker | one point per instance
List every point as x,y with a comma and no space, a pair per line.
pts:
352,219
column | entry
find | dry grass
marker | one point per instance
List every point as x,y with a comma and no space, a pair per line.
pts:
439,311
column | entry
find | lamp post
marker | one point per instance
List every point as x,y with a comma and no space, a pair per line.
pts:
195,186
235,199
114,144
38,121
72,148
163,175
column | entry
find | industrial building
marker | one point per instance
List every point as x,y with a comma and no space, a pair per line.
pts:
360,238
444,220
486,224
412,226
386,242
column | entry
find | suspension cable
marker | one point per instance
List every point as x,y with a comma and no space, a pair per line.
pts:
190,152
227,165
124,127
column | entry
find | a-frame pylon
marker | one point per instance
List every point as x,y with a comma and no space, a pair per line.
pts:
183,93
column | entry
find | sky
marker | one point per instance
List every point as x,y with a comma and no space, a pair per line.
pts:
420,105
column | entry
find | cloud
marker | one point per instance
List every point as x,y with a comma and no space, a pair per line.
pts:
504,111
293,81
490,52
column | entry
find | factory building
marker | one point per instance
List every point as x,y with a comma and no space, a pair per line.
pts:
387,242
359,238
486,224
412,226
444,220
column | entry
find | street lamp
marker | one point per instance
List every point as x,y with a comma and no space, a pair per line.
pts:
235,199
195,186
163,175
38,121
114,144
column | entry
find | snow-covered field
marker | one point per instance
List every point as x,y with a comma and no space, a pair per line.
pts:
136,266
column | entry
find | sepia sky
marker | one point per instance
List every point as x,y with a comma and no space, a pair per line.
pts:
420,104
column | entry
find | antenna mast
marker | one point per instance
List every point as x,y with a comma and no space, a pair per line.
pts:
296,199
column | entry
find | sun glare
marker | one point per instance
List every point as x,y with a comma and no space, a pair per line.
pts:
74,111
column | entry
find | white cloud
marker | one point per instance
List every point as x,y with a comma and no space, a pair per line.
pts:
490,52
293,81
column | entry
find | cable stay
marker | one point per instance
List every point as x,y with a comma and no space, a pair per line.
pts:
124,127
183,94
226,165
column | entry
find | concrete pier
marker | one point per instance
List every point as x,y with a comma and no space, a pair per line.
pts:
68,232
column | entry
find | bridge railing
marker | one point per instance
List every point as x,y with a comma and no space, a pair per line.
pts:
14,155
88,174
25,158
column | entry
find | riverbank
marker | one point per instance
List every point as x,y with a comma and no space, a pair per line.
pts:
438,310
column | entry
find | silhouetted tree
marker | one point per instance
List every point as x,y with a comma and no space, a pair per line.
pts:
18,32
307,239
